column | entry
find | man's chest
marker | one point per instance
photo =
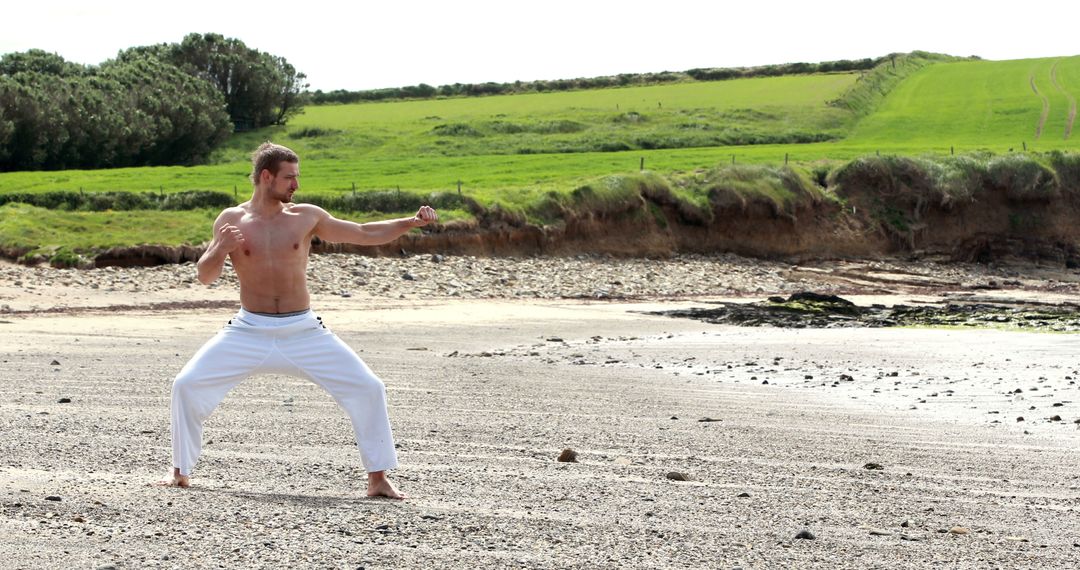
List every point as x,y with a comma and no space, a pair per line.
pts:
282,239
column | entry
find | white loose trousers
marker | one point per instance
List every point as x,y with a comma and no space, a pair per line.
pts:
297,346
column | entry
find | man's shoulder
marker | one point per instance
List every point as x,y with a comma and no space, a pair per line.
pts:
307,210
233,212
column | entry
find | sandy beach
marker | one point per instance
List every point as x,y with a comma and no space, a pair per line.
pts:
698,445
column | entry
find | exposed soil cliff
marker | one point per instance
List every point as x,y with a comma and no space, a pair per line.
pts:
991,227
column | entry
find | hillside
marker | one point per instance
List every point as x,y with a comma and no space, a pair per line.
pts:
991,104
551,170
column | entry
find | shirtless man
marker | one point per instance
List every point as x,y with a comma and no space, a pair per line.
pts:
268,239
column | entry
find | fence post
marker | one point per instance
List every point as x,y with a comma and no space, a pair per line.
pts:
459,188
785,158
234,196
733,159
1025,145
642,167
354,190
952,150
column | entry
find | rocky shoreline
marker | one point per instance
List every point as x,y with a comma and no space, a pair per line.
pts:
578,277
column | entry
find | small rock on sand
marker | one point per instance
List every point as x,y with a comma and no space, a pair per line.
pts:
678,476
805,534
568,456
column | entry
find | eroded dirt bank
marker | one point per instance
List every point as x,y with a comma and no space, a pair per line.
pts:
857,225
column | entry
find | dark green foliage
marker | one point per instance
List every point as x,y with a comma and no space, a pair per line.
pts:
562,126
1066,167
391,201
121,201
1022,178
140,111
260,89
313,132
456,130
424,91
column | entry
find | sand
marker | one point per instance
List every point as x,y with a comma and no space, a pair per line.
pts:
484,395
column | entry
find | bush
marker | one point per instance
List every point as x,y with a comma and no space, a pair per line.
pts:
1022,178
390,201
1066,167
121,201
456,130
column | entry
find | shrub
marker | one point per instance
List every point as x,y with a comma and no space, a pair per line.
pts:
456,130
1022,178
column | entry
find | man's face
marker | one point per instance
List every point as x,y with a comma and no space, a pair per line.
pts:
285,183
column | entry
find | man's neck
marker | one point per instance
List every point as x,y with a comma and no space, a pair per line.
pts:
265,206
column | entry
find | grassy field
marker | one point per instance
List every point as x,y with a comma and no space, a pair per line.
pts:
519,150
978,104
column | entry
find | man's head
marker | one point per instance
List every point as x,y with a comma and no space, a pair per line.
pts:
277,169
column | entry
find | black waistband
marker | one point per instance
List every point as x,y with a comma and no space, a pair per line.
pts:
279,315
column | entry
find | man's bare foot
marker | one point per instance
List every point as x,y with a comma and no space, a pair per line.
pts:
175,479
379,486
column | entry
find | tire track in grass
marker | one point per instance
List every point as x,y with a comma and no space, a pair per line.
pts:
1072,100
1045,109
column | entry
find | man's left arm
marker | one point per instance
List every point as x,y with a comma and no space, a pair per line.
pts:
333,230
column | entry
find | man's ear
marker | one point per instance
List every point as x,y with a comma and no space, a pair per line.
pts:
265,175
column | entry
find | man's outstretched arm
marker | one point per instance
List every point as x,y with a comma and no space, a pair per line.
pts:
334,230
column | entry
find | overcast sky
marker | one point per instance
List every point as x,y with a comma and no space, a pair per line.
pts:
364,45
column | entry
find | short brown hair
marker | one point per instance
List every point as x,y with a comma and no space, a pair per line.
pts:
269,156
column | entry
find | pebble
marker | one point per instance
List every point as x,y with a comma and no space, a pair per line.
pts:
678,476
805,534
53,498
568,456
464,276
879,532
874,466
958,530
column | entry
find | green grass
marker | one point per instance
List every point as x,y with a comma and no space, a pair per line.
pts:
525,153
975,104
25,227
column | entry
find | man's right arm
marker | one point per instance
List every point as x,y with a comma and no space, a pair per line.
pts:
227,238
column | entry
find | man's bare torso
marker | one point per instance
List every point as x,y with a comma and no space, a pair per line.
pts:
272,262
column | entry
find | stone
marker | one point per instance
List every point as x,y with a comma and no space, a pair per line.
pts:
743,495
54,363
53,498
568,456
678,476
708,419
879,532
958,530
64,401
805,534
874,466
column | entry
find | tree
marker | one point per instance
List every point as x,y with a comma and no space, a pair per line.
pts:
182,117
259,89
138,110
